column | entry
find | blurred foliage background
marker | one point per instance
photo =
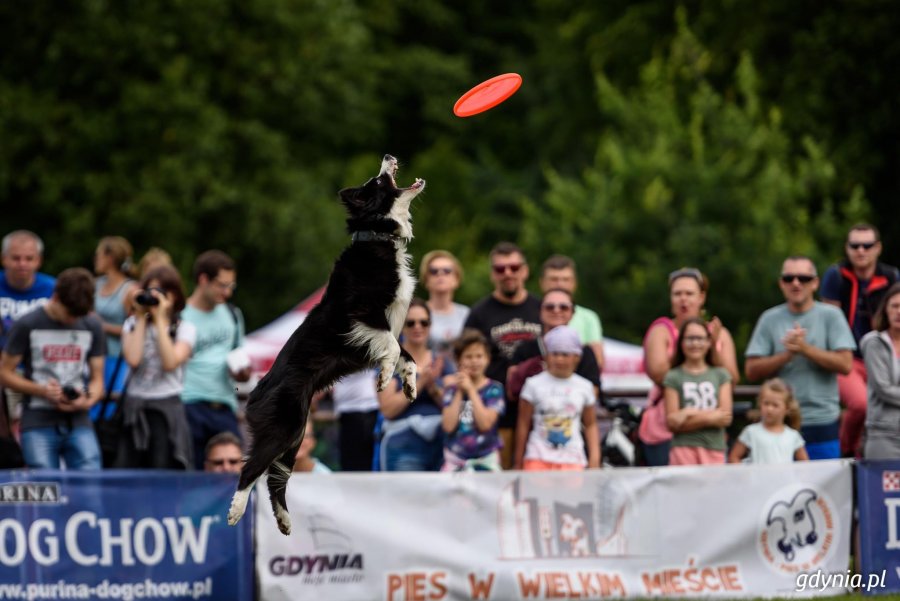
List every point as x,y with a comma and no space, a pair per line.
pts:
647,135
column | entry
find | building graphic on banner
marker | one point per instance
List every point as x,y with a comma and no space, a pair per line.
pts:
530,527
798,530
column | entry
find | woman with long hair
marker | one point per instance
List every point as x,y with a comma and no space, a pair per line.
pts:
698,397
881,352
156,345
114,267
412,439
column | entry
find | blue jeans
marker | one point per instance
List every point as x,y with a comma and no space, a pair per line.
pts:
42,448
405,450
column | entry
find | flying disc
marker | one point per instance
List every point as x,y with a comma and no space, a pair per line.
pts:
487,94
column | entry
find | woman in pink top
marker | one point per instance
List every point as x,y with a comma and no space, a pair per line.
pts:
687,291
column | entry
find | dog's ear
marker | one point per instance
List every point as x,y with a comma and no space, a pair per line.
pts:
351,197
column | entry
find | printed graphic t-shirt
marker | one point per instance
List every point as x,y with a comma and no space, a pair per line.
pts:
51,349
556,427
505,326
467,441
16,303
698,391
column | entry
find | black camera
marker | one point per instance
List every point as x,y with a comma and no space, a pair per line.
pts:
146,298
70,392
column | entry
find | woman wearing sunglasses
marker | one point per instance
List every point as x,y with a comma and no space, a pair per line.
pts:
687,293
441,274
557,309
412,439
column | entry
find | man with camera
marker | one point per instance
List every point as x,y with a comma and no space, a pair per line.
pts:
55,343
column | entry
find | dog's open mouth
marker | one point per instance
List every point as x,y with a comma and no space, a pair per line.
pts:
390,166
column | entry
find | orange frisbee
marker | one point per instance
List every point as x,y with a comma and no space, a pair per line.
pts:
487,94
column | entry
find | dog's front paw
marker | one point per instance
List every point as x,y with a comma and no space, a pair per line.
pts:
384,379
409,389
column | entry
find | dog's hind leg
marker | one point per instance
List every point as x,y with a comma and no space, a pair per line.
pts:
269,443
254,467
277,479
239,503
407,368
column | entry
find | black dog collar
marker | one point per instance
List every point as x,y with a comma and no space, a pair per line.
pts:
372,236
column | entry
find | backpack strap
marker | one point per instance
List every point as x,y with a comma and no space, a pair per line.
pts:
235,315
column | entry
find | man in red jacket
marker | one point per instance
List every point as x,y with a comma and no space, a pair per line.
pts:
857,285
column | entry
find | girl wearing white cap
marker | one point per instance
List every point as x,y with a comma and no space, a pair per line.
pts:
557,427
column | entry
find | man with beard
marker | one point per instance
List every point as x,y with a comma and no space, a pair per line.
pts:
509,316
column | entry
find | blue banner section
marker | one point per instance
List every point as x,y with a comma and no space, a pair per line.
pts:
878,499
120,534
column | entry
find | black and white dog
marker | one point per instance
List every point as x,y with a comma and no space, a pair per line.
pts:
355,326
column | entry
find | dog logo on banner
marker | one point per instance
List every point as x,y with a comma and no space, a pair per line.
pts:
798,530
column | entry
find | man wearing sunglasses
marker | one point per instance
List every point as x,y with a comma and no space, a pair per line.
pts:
856,285
806,343
509,316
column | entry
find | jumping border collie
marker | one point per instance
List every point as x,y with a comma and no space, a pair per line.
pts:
355,326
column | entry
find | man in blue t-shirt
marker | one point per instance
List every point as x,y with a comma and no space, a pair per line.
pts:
806,343
22,289
209,392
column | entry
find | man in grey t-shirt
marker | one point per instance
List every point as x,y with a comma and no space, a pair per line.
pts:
57,343
807,344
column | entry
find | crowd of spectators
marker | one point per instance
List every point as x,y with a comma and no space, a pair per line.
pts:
512,382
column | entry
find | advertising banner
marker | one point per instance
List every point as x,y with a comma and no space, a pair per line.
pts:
712,531
119,534
878,498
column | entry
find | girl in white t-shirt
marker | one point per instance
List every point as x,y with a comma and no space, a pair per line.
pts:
557,405
772,440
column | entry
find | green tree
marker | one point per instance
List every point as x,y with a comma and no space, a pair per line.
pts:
687,175
188,125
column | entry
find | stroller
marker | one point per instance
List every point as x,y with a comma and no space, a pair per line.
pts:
620,446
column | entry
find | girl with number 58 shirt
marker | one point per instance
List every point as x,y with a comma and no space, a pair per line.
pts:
698,399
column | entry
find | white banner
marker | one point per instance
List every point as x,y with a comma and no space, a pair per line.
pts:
714,531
